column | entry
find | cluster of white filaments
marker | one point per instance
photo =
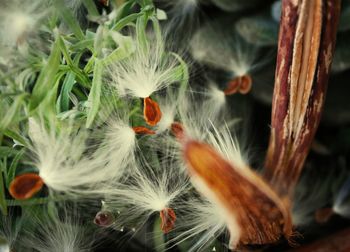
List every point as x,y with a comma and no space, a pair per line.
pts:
55,233
146,71
202,223
107,161
232,55
62,163
19,19
145,192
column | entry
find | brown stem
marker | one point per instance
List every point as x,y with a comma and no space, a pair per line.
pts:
305,50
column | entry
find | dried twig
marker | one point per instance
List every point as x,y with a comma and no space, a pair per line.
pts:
305,49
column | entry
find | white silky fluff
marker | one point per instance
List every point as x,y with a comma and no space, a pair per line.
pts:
19,19
9,232
147,191
225,51
118,145
55,234
144,72
201,222
62,160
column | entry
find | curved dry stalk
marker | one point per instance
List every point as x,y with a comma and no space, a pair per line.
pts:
305,50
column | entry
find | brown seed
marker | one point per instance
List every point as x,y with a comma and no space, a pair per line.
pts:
140,130
246,84
104,218
178,130
241,84
168,218
233,86
25,186
151,111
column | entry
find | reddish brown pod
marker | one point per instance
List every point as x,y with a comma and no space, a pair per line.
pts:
241,84
168,218
141,130
177,129
151,111
263,217
25,186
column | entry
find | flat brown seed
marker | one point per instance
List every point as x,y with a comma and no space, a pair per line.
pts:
168,218
246,84
140,130
25,186
151,111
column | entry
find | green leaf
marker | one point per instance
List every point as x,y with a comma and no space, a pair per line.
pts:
83,45
46,79
3,204
95,93
67,86
12,111
158,236
125,21
15,136
125,48
91,7
181,74
68,17
11,173
7,151
141,36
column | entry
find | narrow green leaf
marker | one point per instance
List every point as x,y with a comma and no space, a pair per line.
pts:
15,136
11,173
3,204
69,19
83,45
46,79
125,21
158,236
183,78
141,36
64,51
91,7
7,151
95,93
63,99
12,111
125,48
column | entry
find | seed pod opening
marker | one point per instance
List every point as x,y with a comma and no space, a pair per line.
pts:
151,111
25,186
168,218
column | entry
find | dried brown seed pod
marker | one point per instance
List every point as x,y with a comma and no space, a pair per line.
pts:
305,48
168,218
140,130
151,111
104,219
25,186
246,198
